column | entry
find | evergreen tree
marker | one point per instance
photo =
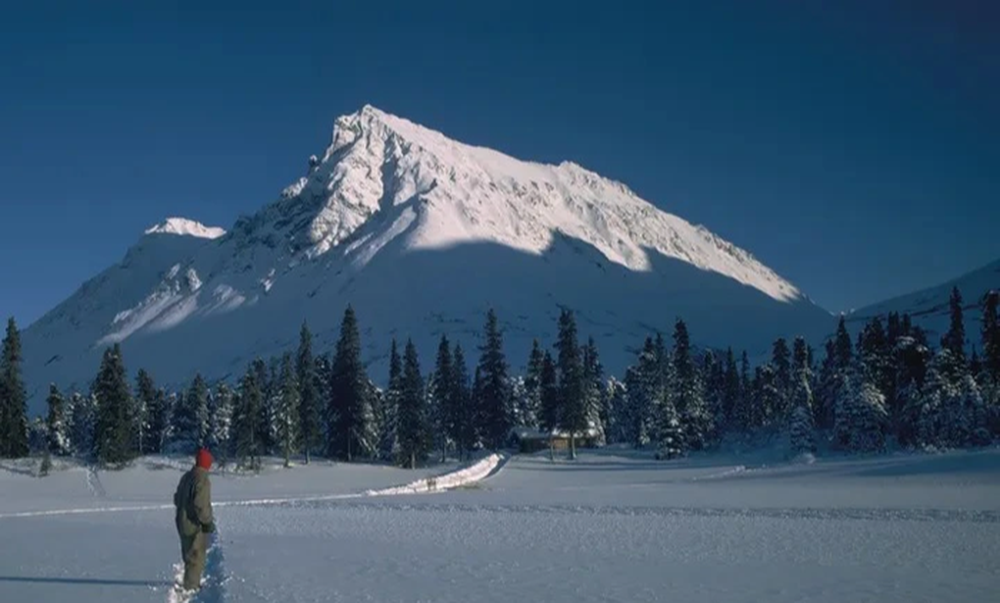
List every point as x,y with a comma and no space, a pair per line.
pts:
782,363
413,445
645,397
802,417
288,410
672,438
151,419
13,398
114,426
731,392
617,424
220,422
860,424
83,418
875,357
991,337
572,394
310,411
912,359
800,431
954,339
741,418
714,385
532,408
548,392
593,387
323,370
687,392
493,393
246,413
349,413
767,397
442,397
388,410
56,427
268,377
842,347
463,418
190,419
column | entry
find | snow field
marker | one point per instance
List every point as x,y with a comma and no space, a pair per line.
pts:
612,526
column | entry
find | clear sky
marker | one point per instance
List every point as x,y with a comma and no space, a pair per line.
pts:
853,147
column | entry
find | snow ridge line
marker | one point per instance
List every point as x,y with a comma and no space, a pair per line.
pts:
473,473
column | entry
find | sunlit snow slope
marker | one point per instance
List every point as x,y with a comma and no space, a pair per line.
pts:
421,234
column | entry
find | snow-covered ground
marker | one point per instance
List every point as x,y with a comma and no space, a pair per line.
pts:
610,527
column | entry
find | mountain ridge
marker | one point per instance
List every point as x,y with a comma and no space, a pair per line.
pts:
388,194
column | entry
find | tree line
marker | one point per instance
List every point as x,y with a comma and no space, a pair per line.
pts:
888,385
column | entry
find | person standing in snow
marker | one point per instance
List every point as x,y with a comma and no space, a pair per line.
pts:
193,501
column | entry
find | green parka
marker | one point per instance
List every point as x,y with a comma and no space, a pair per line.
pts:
193,501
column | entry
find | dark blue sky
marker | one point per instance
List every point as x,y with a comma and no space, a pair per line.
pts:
851,148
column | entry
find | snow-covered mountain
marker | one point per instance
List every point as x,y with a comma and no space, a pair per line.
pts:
421,234
929,308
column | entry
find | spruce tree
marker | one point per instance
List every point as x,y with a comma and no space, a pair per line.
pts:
189,424
828,387
463,417
413,444
149,413
349,411
912,359
672,439
220,414
56,427
288,410
843,351
269,378
714,385
618,422
593,381
954,339
13,398
991,337
731,393
572,390
645,397
493,394
113,440
782,363
442,398
861,422
800,431
83,417
246,413
310,406
531,413
687,393
388,414
548,392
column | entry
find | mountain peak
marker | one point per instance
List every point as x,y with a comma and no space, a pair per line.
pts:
187,228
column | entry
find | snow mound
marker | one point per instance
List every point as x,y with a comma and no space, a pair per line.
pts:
185,227
463,477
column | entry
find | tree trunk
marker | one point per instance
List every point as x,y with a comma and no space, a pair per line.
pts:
413,460
307,455
572,445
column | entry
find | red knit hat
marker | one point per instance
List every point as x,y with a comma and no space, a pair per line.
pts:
204,459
